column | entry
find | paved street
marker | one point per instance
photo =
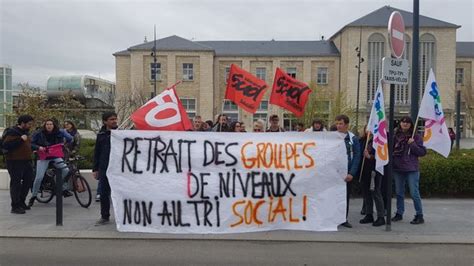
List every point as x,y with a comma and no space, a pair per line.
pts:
204,252
447,238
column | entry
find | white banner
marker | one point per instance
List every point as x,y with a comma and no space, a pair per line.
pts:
202,182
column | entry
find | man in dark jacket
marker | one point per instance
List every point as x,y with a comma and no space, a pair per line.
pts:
353,156
101,162
17,143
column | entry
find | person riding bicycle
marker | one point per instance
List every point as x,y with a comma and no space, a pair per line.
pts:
48,142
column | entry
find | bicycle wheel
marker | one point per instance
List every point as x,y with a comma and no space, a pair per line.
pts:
83,196
47,190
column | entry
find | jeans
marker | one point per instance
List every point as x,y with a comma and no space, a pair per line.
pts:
21,176
104,197
42,166
413,179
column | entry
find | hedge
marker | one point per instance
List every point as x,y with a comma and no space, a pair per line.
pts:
453,176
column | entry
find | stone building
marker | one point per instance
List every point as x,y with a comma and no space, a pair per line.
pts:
326,64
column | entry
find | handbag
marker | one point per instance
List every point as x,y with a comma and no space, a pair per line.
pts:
51,152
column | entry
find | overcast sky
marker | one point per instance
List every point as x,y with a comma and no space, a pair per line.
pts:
44,38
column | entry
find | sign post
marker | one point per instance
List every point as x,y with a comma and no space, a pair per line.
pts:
395,71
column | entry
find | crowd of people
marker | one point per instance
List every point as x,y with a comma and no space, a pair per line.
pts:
18,145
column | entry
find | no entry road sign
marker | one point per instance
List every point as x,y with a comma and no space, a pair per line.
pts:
396,33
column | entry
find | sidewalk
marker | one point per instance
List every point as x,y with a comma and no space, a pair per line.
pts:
447,221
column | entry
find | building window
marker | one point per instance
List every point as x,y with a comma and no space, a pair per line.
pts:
322,75
427,59
226,74
289,122
291,71
155,69
460,76
190,107
188,73
376,52
231,110
261,73
262,111
402,96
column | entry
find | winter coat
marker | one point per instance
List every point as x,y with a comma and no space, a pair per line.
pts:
405,156
102,152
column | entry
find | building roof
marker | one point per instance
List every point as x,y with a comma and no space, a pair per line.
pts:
465,49
272,48
380,17
240,48
171,43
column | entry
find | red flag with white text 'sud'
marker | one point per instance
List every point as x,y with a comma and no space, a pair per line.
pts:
244,89
289,93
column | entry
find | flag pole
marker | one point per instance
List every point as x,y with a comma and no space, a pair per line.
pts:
363,157
414,131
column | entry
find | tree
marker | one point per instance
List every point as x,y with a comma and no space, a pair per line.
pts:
469,109
324,103
126,104
35,102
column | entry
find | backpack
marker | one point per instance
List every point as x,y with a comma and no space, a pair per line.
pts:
3,151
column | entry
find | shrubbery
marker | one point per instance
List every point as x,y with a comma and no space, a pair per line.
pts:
448,177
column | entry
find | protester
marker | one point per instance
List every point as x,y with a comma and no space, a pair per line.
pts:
221,124
452,136
72,148
207,126
101,162
371,183
242,127
197,123
318,125
333,127
299,127
17,146
275,124
353,157
44,139
235,127
407,149
258,126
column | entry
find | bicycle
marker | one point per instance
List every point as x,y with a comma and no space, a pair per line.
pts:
80,186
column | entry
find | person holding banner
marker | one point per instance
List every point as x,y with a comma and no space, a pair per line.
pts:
353,157
318,125
221,124
258,126
101,162
407,148
275,124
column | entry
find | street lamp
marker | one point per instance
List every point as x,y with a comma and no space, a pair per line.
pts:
458,115
360,61
153,54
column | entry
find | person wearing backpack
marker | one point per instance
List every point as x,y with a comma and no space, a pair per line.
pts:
16,148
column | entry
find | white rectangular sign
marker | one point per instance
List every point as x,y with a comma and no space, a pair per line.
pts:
202,182
395,71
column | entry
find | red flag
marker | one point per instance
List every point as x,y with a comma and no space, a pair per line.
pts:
164,112
244,89
289,93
